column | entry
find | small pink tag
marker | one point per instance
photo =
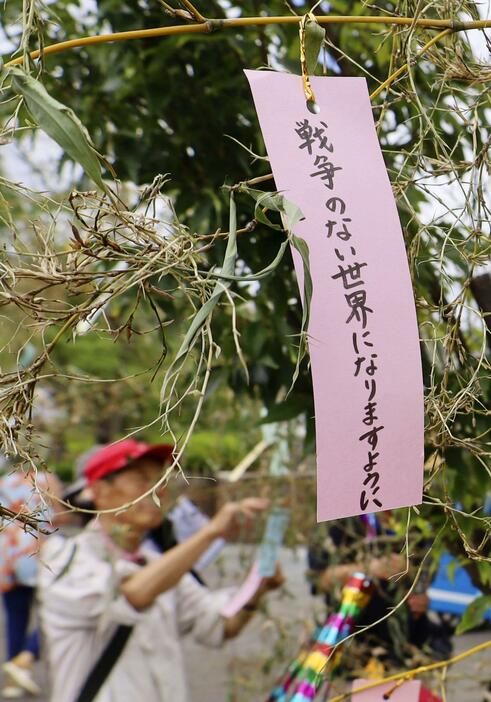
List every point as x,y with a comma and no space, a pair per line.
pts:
407,692
363,334
247,590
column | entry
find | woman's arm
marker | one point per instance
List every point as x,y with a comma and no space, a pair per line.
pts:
162,574
381,568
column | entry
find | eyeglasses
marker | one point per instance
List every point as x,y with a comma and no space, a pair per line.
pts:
139,477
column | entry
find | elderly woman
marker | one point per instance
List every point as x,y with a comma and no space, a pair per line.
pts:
113,609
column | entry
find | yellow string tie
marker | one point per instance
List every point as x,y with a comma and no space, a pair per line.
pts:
307,87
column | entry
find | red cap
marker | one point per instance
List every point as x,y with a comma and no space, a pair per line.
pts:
116,456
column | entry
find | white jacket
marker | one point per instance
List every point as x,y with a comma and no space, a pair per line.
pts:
80,608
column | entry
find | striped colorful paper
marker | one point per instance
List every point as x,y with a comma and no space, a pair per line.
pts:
306,673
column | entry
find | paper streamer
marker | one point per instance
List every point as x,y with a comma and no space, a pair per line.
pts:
314,664
363,334
246,591
409,691
273,538
265,563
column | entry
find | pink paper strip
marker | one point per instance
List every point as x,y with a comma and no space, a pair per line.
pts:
407,692
247,590
363,335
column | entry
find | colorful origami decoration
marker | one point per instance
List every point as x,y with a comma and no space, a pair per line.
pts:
305,675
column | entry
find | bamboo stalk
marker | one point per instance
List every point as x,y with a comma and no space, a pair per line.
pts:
211,25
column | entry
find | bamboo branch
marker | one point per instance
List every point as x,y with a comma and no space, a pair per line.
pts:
195,13
30,523
409,674
402,69
211,25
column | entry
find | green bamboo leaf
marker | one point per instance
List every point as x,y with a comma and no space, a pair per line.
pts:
290,215
206,310
474,614
308,287
228,269
260,274
314,36
5,215
276,202
59,122
451,568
